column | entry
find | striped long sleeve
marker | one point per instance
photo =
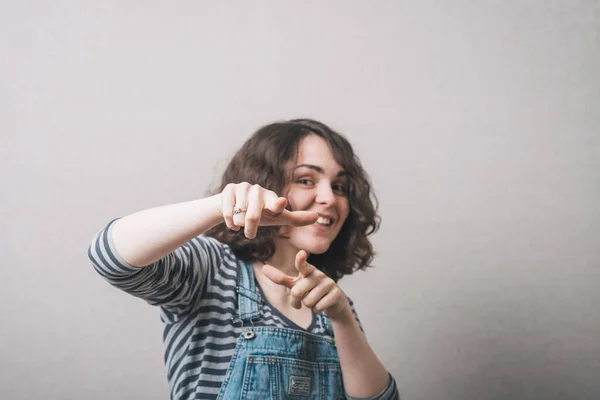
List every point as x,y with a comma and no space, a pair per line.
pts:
175,282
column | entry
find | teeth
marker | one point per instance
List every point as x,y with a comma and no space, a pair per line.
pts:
324,221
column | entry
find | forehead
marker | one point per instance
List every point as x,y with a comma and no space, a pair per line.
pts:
314,150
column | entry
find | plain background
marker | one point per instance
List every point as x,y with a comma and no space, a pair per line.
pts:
478,122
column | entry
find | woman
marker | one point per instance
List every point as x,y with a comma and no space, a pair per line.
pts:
256,313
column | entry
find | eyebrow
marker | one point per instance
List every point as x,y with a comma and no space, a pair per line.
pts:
318,169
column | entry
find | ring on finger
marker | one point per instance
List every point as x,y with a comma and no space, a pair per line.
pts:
237,209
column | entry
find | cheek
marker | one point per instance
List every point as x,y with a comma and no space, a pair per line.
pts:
345,208
300,200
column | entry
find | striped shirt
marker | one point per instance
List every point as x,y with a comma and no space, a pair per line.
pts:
195,290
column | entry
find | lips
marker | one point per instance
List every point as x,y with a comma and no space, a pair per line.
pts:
325,219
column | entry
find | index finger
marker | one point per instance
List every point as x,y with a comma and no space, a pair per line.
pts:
302,265
298,218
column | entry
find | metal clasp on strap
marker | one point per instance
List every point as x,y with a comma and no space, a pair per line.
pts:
249,331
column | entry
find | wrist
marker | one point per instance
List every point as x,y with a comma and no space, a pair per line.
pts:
212,204
343,316
216,202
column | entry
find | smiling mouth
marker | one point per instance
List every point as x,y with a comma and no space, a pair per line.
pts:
324,221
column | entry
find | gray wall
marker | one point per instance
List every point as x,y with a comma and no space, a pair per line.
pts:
478,122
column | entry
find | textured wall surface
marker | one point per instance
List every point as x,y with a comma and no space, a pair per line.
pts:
478,122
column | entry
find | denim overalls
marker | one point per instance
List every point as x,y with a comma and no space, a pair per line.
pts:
279,363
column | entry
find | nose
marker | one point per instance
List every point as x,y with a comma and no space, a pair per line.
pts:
325,195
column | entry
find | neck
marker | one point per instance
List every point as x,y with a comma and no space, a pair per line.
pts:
284,258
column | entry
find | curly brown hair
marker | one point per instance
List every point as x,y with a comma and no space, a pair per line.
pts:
261,161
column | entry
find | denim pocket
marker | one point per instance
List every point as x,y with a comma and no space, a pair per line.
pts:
272,377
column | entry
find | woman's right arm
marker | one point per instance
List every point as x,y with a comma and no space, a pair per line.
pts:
160,254
167,242
147,236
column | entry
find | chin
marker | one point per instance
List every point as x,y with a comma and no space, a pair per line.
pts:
314,246
317,250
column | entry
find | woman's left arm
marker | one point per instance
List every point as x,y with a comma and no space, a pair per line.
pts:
364,375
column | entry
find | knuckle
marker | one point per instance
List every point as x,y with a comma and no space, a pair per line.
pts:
231,225
252,218
239,188
296,292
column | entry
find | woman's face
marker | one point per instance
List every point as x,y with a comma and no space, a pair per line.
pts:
318,184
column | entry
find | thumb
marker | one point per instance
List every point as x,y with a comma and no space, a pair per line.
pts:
278,277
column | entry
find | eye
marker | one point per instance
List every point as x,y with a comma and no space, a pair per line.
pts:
340,188
305,181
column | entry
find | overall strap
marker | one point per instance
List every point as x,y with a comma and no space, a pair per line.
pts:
248,299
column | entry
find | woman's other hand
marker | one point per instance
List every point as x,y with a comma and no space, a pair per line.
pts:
311,287
258,206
